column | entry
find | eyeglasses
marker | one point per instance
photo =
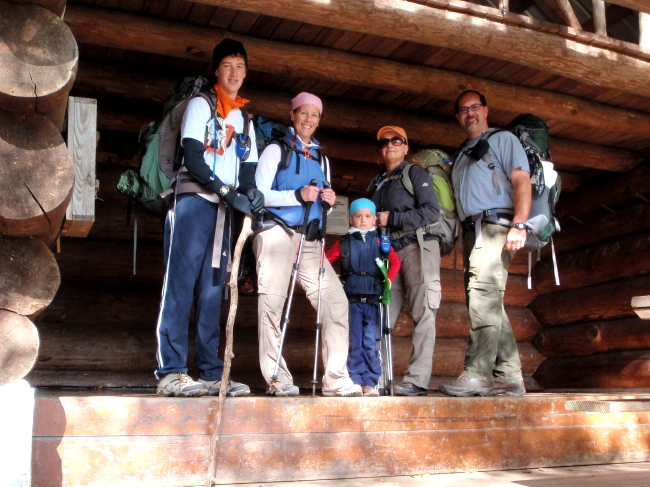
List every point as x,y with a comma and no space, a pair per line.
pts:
472,108
396,141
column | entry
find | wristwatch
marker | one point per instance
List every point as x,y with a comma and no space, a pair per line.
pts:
519,226
224,190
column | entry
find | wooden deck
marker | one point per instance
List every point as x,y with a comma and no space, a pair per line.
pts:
134,438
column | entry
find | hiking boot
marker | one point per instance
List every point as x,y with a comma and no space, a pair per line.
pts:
351,391
178,384
282,390
409,389
233,389
510,388
370,391
465,386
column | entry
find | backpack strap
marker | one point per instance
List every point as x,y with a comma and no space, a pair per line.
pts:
346,258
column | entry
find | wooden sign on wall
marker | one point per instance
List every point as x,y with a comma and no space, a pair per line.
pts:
82,144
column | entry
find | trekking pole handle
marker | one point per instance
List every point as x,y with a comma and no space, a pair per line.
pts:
308,204
326,207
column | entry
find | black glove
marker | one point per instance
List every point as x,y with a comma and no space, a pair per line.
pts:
239,202
256,198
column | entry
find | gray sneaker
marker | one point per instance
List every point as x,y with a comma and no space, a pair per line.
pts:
283,390
234,389
351,391
465,386
180,385
511,388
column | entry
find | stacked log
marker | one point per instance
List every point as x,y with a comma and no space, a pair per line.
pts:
39,58
28,283
591,337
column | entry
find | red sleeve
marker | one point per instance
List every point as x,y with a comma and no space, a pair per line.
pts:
334,253
394,264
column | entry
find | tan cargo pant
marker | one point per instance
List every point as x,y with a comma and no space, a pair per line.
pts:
422,285
492,351
276,252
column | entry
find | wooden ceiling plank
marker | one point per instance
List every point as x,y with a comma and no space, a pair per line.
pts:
201,16
433,26
351,116
132,32
221,18
243,22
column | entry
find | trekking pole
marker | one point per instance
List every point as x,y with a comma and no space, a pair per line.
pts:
384,309
292,284
228,355
389,349
321,273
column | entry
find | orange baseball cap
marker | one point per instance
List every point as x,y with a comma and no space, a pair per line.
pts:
392,128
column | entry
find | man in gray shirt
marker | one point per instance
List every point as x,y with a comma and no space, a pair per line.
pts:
493,194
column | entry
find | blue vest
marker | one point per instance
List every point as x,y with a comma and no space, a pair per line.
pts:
365,278
300,172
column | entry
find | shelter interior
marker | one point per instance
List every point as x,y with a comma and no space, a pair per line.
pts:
581,66
88,317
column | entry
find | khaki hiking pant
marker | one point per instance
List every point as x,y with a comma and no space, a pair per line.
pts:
492,350
422,285
276,253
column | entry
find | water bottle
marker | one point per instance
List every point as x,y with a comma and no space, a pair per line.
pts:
384,240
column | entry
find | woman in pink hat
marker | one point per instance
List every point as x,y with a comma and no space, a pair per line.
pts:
293,175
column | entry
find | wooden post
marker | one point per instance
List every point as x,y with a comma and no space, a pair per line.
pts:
568,14
644,31
82,145
600,22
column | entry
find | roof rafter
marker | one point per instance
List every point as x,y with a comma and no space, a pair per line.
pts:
133,32
350,117
467,33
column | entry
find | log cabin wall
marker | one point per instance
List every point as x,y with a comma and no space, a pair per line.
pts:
99,330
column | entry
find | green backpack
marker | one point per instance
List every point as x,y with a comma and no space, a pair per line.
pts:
161,152
436,163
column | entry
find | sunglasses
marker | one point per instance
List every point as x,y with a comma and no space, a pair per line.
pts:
396,141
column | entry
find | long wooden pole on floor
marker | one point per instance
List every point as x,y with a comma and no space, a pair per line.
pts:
228,355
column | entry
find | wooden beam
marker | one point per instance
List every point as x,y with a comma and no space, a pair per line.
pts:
107,28
30,276
436,27
550,11
638,5
607,194
603,370
39,57
568,14
341,116
606,301
613,14
596,337
644,31
613,259
600,21
82,144
37,176
18,346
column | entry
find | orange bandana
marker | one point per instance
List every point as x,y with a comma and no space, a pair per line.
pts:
225,103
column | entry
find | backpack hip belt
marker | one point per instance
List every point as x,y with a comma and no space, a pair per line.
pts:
496,216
